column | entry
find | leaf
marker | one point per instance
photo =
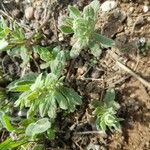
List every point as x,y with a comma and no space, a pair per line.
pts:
4,32
110,95
3,44
88,13
52,107
38,147
10,144
38,127
43,108
57,65
44,52
96,103
109,99
76,49
74,12
38,83
95,49
5,120
61,100
51,134
106,42
66,29
72,97
22,84
24,55
17,34
65,21
45,65
95,5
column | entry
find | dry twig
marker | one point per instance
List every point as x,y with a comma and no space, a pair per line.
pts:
128,70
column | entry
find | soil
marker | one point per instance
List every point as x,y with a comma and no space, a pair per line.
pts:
126,24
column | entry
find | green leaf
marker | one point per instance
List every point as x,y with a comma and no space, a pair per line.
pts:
88,13
61,100
10,144
95,49
22,84
45,65
38,127
43,108
95,5
24,55
3,44
74,12
4,32
38,83
5,120
106,42
76,49
57,65
44,52
72,97
52,107
17,34
66,29
38,147
109,96
65,21
51,134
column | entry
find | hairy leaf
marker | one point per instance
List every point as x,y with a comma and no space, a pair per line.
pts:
66,29
106,42
3,44
38,127
74,12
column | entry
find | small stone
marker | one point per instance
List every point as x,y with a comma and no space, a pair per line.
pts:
60,36
29,13
94,96
131,9
145,8
95,74
17,1
108,5
148,19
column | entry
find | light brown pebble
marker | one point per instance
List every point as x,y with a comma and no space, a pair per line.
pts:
29,13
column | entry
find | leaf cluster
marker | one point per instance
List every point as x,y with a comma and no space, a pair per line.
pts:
47,91
82,26
106,112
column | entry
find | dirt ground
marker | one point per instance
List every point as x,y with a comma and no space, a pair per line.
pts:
126,24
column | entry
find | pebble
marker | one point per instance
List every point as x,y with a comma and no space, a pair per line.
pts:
17,1
108,5
29,13
60,36
145,8
131,9
95,74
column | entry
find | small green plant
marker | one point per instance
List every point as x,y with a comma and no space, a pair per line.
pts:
51,56
44,94
143,46
82,26
106,112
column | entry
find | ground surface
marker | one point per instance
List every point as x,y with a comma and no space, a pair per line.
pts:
126,24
